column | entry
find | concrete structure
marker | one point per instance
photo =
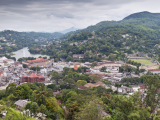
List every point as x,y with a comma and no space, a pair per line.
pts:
124,89
155,71
78,56
108,65
9,61
20,104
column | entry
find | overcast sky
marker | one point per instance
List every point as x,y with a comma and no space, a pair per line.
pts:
58,15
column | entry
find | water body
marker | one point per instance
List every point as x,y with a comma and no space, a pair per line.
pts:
25,53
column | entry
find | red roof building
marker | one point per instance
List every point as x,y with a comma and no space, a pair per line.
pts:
95,84
33,78
36,60
81,87
75,67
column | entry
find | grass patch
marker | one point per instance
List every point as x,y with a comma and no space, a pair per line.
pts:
142,61
138,58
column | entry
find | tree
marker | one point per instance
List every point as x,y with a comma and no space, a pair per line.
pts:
73,110
118,85
22,92
10,88
90,111
107,82
69,82
38,68
56,76
41,94
152,99
52,86
56,60
69,58
42,108
94,78
81,82
33,107
103,69
20,59
25,66
94,63
51,104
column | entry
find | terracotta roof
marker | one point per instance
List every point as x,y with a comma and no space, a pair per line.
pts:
81,87
36,60
40,76
16,63
75,67
100,83
24,75
152,70
108,63
33,75
89,85
142,87
8,60
94,84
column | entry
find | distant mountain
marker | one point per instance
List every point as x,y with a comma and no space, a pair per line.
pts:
139,21
69,30
143,15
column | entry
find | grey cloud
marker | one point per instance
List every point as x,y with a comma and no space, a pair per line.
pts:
61,15
57,15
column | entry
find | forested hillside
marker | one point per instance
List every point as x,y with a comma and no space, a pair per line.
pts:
138,32
145,20
11,40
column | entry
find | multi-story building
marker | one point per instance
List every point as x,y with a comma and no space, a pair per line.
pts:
33,78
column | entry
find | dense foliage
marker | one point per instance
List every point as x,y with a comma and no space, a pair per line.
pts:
11,40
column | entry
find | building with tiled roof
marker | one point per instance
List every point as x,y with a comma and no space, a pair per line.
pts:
154,71
33,78
36,60
95,84
81,87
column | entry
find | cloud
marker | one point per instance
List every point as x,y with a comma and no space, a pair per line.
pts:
57,15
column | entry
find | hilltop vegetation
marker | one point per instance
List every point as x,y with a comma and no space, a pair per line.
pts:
138,32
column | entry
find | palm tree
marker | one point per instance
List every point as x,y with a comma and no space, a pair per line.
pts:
41,94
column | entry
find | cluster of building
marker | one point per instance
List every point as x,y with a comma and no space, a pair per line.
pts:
13,72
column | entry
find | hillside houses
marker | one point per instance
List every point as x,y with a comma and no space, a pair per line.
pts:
109,65
78,56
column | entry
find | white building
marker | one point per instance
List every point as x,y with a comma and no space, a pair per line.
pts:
2,58
108,65
155,71
9,61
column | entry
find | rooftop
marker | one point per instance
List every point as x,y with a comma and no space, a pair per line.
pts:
21,103
33,75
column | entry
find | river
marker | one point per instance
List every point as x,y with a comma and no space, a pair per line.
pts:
25,53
